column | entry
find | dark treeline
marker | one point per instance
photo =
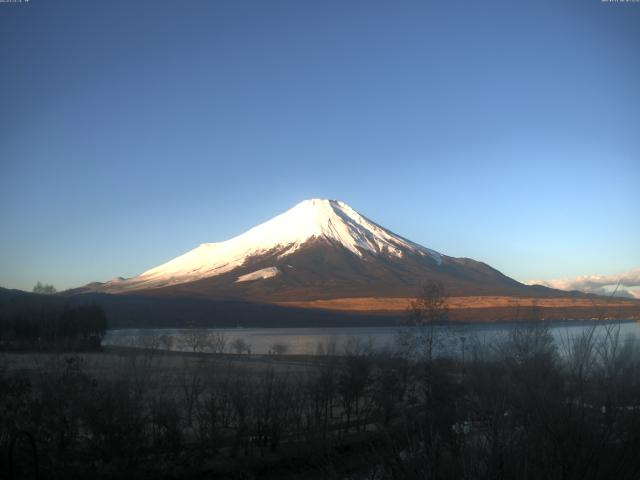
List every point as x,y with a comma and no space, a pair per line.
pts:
524,407
139,311
39,322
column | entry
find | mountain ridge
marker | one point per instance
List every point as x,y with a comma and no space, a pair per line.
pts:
280,236
318,250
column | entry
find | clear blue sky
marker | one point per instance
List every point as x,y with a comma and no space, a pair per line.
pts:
132,131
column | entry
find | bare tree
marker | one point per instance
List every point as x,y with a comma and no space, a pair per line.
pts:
354,378
240,346
279,348
427,314
44,289
218,342
200,340
194,340
192,387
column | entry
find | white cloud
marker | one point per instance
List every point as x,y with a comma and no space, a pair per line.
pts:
600,284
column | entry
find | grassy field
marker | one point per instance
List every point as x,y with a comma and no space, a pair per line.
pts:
166,368
488,309
390,304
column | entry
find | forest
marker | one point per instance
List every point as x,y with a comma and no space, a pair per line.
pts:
47,322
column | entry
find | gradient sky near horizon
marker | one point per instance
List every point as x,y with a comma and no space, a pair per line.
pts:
504,131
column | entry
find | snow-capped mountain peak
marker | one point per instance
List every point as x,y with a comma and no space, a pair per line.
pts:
322,219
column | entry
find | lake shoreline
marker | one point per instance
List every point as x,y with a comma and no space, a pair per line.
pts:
289,341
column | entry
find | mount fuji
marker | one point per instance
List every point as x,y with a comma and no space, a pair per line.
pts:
318,250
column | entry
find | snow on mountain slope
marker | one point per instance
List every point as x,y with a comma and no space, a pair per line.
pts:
282,235
261,274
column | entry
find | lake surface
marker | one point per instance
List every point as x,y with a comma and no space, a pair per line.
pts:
300,341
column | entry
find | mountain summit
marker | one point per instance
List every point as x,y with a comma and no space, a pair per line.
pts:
319,249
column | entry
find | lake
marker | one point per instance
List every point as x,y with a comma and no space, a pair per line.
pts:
301,341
